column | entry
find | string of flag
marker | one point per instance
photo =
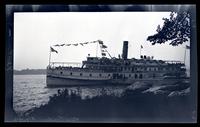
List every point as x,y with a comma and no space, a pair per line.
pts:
82,44
102,46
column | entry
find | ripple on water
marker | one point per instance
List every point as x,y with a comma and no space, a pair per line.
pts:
30,91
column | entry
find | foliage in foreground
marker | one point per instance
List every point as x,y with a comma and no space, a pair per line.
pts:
175,29
133,105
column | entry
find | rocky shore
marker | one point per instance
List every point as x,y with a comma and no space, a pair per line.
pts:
139,102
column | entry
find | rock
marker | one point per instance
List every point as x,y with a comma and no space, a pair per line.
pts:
180,93
138,86
156,90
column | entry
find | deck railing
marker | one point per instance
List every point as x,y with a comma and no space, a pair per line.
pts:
65,64
174,62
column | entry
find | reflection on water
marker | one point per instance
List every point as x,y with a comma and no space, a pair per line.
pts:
31,91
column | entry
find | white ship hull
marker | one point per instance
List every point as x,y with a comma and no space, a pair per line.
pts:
56,81
53,81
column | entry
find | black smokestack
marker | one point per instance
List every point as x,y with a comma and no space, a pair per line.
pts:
125,50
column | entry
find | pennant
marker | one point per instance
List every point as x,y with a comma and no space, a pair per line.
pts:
68,44
104,46
53,50
100,42
81,44
57,45
75,44
62,44
85,42
187,47
103,50
103,54
141,47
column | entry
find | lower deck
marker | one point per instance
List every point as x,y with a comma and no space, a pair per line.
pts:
79,78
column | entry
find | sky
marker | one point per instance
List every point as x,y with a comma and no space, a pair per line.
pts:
35,32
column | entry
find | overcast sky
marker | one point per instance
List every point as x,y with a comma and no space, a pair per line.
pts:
34,33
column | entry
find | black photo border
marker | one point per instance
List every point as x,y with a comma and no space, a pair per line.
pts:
7,89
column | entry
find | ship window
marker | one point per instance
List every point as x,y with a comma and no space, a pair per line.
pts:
154,75
140,76
61,72
100,75
71,73
135,76
90,75
81,74
108,75
129,75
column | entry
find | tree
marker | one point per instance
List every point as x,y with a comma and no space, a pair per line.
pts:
175,29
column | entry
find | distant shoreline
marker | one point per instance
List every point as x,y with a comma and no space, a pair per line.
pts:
30,72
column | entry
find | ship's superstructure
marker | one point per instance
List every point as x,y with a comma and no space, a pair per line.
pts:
123,71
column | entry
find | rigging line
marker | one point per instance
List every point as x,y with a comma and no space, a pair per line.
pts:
108,53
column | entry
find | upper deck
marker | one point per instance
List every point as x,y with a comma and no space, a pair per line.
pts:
121,64
93,64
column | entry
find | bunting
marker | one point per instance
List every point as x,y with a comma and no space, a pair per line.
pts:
100,42
53,50
82,44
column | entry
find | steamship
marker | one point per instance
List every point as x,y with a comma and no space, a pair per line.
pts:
115,71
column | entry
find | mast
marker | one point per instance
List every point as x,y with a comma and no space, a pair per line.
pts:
185,54
49,56
96,49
